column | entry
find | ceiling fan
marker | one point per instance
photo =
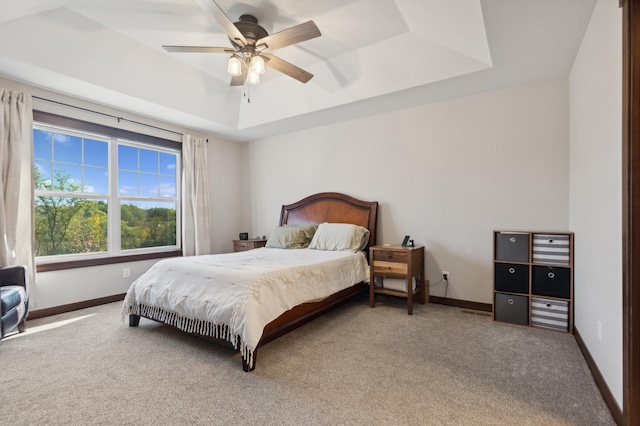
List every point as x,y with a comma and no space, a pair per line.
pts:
251,44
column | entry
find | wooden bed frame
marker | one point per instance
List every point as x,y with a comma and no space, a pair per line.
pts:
315,209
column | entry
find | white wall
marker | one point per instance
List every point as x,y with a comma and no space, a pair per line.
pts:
595,189
448,174
227,163
229,185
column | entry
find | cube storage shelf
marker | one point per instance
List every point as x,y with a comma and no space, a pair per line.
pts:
533,279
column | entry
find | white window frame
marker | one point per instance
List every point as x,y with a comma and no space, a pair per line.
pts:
113,199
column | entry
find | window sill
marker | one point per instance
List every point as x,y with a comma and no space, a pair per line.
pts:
73,264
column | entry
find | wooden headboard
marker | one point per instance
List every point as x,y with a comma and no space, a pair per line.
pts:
332,207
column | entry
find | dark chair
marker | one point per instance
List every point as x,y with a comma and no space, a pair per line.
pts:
14,299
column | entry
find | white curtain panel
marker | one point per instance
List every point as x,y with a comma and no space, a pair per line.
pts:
16,181
196,208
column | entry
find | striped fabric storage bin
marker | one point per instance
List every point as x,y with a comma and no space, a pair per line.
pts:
551,248
550,313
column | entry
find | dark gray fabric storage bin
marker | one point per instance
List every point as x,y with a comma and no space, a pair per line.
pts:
511,308
551,281
513,278
512,246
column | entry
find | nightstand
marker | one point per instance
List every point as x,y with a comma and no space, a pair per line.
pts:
398,262
243,245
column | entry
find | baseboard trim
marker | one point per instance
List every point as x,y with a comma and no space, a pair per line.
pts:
608,397
486,307
40,313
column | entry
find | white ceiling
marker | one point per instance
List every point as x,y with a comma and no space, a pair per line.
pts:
374,56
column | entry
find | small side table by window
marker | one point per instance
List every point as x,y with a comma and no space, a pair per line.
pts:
398,262
243,245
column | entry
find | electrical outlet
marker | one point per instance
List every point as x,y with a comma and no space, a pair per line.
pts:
126,272
599,330
445,275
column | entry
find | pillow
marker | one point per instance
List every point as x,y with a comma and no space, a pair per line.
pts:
291,236
340,237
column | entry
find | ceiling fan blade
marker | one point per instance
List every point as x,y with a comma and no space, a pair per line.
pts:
239,79
287,68
212,8
198,49
290,36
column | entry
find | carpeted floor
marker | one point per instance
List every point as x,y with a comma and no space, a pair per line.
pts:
353,366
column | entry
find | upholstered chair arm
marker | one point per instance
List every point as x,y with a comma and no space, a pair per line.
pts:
14,275
16,314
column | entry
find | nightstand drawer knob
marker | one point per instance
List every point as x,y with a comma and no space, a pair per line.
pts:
513,240
551,275
512,270
510,301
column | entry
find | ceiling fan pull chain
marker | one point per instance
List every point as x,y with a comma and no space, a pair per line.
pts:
246,92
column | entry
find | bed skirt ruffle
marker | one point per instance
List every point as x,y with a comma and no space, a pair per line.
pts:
193,326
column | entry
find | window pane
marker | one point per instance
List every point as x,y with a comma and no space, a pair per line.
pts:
127,183
96,179
70,225
147,224
67,177
70,222
42,174
148,161
127,158
167,163
67,148
42,144
148,185
96,153
167,186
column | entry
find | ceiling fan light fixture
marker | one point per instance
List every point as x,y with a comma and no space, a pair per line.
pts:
250,41
257,65
234,67
253,77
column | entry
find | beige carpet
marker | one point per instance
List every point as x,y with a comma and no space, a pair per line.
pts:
353,366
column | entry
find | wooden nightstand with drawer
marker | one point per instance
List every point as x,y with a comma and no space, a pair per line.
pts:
398,262
244,245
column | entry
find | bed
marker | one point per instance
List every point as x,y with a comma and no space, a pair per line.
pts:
247,299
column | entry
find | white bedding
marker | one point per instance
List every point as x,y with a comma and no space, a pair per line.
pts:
235,295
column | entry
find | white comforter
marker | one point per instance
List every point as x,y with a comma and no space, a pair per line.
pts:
242,292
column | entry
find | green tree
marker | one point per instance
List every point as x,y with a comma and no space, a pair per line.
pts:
152,227
66,225
88,228
162,226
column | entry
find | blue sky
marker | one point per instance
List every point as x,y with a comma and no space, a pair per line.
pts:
141,171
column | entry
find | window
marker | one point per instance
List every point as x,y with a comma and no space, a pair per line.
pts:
103,196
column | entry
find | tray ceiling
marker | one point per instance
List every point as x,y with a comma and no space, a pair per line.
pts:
374,56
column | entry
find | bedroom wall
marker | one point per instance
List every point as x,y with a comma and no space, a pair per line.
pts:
448,174
227,163
596,192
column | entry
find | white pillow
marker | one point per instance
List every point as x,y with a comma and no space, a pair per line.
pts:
340,237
